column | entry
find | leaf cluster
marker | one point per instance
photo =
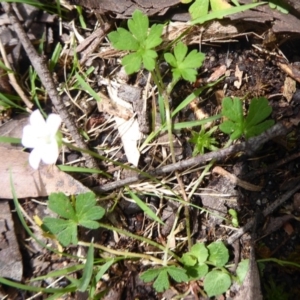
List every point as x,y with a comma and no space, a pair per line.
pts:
197,265
83,211
203,140
140,40
252,125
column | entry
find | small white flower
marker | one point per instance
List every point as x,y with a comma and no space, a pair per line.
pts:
41,136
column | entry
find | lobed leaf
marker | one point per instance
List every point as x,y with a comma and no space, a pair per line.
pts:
132,63
178,274
122,39
197,272
139,25
162,281
60,204
154,38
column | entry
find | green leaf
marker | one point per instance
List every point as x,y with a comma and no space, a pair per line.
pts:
233,109
223,13
132,62
122,39
259,110
199,9
60,203
188,259
150,274
140,40
65,230
86,209
162,281
87,270
218,253
216,283
242,270
154,38
149,59
197,272
177,274
200,251
217,5
138,25
183,64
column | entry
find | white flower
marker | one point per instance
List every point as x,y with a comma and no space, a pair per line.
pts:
41,136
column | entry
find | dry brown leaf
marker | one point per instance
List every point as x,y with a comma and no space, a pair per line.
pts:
289,88
239,75
220,71
33,183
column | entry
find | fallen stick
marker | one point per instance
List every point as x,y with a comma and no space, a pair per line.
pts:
247,147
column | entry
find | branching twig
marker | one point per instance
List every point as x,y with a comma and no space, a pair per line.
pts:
248,147
46,78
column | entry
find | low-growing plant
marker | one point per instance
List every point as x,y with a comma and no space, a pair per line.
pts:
201,262
203,140
254,123
81,211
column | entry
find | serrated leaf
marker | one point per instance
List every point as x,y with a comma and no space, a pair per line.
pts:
216,283
180,52
184,65
149,59
64,230
242,270
193,60
177,274
259,110
170,59
138,25
199,9
197,272
200,251
60,204
132,63
235,130
162,281
122,39
258,129
150,274
218,253
233,109
86,208
154,38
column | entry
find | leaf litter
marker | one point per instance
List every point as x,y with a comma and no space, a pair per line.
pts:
107,140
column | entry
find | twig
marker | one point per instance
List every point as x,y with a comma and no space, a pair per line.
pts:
266,212
244,184
46,78
248,147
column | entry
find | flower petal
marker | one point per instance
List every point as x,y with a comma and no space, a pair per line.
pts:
36,119
49,153
29,138
34,159
52,123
